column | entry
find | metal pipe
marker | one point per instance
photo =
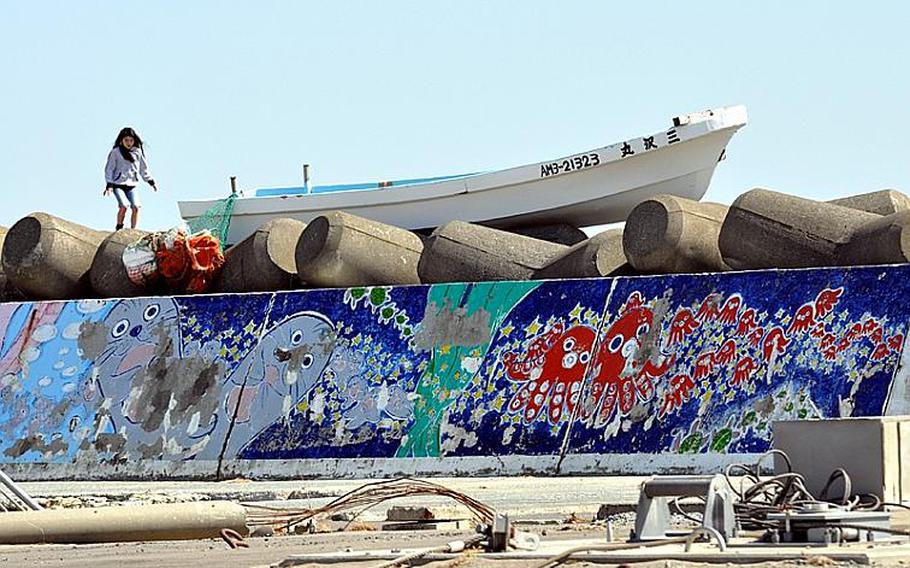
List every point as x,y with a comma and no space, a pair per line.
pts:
306,177
233,185
19,492
171,521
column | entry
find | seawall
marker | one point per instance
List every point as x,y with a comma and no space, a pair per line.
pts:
677,373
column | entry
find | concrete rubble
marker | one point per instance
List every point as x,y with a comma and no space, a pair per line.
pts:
48,258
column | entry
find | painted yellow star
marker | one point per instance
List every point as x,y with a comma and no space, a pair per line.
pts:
445,348
576,312
506,330
533,327
498,402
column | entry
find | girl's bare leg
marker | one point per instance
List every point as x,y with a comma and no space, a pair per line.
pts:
134,218
121,215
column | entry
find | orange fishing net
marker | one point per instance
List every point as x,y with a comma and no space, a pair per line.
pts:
189,263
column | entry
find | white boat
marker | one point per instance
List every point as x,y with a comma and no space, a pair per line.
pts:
589,188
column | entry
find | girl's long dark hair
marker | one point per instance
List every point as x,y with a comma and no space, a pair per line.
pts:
127,155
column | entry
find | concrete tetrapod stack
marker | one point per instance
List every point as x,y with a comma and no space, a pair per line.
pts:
601,255
108,274
766,229
49,258
264,261
668,234
885,240
884,202
463,252
340,250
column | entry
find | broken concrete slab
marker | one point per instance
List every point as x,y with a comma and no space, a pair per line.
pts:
601,255
669,234
883,202
464,252
49,258
767,229
263,262
560,233
885,240
340,250
108,275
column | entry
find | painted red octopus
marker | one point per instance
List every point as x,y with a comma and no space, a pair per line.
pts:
552,371
623,372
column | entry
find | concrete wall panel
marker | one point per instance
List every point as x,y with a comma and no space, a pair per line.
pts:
632,375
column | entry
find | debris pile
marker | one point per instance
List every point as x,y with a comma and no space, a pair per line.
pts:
48,258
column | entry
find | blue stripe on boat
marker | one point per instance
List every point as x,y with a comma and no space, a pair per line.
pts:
278,191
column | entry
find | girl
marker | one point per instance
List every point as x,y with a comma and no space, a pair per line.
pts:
125,165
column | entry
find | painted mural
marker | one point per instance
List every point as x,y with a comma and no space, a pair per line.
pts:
653,365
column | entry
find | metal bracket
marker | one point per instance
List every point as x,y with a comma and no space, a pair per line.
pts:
500,533
652,520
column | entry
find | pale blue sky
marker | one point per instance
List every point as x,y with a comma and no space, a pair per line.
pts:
383,90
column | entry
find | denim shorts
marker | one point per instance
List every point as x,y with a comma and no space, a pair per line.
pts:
125,194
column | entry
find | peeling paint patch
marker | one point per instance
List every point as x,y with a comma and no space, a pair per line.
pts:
444,324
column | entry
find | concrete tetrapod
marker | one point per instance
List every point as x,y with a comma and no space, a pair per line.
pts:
170,521
49,258
560,233
883,202
108,274
463,252
668,234
8,292
766,229
264,261
885,240
340,250
601,255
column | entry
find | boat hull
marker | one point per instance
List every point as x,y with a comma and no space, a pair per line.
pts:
680,162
